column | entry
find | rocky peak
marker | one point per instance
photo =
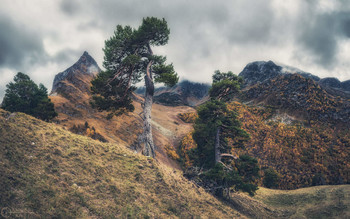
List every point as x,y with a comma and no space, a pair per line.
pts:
259,72
76,77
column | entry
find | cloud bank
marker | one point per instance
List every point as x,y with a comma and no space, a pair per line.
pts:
42,38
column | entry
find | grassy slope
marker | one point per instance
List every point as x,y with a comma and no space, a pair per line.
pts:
313,202
168,129
51,172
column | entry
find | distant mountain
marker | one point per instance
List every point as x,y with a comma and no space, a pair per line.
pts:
261,71
299,93
76,79
184,93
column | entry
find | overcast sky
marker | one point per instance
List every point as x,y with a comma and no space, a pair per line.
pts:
42,38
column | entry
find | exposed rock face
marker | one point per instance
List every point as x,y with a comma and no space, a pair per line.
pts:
76,79
258,72
184,93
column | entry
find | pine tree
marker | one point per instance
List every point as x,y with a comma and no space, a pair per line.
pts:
25,96
216,124
128,58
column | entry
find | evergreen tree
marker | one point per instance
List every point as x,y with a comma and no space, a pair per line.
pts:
225,85
129,58
216,124
213,129
239,175
114,96
25,96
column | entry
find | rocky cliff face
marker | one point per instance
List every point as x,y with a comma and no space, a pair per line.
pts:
76,79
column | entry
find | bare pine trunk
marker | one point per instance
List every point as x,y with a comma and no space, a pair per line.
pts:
217,146
146,139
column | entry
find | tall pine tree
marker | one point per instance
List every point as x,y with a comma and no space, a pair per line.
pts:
129,58
216,124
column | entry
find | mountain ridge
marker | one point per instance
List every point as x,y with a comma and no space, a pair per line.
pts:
301,94
260,71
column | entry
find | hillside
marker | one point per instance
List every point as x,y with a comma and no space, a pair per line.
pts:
319,202
301,97
74,110
302,155
298,93
50,172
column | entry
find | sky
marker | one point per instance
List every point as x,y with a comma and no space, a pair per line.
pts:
42,38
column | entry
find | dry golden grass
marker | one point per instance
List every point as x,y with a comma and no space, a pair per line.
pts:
50,172
313,202
168,129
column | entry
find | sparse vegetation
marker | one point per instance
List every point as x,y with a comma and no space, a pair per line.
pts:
51,172
188,117
87,131
171,152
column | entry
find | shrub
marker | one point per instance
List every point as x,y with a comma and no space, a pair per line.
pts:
271,178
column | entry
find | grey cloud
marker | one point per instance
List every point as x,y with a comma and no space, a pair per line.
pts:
18,45
67,56
69,7
344,23
319,37
346,27
320,33
205,35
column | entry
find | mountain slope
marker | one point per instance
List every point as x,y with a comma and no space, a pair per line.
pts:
261,72
74,110
302,156
301,94
48,172
301,97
